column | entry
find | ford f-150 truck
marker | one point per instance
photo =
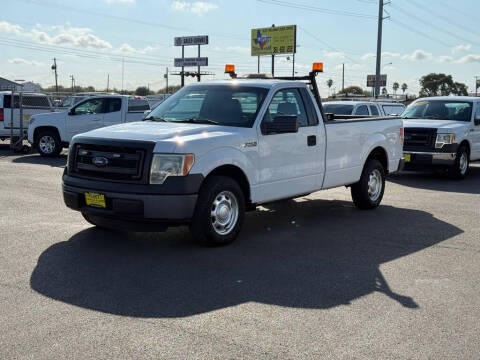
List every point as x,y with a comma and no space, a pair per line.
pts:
213,150
50,133
442,132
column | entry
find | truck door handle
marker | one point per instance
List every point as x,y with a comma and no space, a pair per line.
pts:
311,140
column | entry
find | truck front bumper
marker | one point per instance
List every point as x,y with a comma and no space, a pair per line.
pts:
135,211
429,159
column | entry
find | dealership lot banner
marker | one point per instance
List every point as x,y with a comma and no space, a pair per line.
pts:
274,40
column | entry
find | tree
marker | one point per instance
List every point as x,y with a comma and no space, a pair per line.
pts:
404,87
384,91
395,87
357,90
441,84
142,91
329,84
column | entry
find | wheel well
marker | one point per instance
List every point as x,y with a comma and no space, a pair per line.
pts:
236,174
467,145
43,128
380,154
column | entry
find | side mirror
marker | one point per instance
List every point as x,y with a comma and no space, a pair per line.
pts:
330,116
477,120
282,124
71,112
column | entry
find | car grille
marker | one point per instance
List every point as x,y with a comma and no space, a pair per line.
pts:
418,138
106,162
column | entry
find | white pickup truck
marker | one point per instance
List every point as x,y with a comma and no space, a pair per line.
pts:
214,150
364,108
50,133
442,132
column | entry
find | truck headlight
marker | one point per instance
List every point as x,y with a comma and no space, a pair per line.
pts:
165,165
443,139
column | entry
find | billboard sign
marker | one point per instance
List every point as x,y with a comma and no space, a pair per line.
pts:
191,40
274,40
196,61
371,80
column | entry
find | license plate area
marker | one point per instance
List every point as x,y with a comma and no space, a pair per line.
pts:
407,157
95,200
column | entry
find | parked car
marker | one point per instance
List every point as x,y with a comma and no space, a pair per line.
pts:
364,108
50,133
213,150
442,132
32,104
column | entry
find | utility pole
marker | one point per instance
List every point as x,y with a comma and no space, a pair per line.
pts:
108,81
183,67
273,60
198,65
54,67
73,82
476,85
343,77
379,48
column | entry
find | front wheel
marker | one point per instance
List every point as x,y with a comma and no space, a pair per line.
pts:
48,143
219,213
367,193
459,170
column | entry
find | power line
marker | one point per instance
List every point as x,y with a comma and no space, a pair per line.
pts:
316,9
418,32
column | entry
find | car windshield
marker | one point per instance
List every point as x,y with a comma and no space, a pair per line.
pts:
228,105
338,109
439,110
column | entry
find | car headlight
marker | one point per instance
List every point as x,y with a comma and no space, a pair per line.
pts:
443,139
165,165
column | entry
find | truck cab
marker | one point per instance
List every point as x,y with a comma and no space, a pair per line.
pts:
442,132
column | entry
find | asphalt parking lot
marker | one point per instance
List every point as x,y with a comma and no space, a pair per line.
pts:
311,278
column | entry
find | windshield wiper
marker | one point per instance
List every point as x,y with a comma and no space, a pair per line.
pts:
199,121
155,118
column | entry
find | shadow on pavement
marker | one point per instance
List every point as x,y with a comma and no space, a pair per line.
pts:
36,159
304,254
439,181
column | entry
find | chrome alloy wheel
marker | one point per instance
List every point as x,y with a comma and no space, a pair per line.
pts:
224,212
463,163
47,144
375,185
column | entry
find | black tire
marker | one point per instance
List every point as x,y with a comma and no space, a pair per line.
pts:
48,143
205,228
459,170
363,196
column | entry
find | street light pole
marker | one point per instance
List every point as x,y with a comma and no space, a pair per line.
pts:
379,48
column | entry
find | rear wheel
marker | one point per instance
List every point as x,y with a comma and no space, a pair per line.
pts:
367,193
48,143
219,212
460,169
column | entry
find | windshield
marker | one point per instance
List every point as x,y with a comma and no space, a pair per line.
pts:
439,110
227,105
338,109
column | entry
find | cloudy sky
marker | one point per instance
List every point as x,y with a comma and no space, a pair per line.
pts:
90,39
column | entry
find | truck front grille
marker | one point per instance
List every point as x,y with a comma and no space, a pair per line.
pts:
106,162
420,138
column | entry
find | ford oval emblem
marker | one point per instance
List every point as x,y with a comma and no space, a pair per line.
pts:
100,161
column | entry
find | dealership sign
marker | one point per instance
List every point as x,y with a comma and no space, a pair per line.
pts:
274,40
194,61
191,40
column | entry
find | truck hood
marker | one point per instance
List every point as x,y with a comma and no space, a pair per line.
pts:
171,136
443,126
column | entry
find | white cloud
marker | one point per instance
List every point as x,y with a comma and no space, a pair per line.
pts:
368,56
197,7
389,68
418,55
445,58
126,48
471,58
461,48
20,61
390,54
9,28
